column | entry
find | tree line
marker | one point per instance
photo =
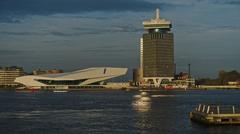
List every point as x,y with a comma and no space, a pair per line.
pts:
223,78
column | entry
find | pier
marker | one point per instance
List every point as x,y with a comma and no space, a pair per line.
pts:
216,115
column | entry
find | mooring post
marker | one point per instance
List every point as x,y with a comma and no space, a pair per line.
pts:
233,108
218,111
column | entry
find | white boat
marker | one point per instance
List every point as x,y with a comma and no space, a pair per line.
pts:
60,91
162,95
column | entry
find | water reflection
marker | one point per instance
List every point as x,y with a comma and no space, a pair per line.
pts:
142,102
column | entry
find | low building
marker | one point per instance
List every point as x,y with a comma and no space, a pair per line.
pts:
8,75
234,83
137,77
117,85
182,76
86,78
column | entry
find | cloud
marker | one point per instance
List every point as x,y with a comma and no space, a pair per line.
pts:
233,2
229,2
11,52
20,33
109,29
9,19
13,11
201,28
72,6
76,31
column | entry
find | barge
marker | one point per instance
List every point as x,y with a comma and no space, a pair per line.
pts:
216,115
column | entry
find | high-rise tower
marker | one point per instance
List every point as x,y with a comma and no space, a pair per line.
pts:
157,50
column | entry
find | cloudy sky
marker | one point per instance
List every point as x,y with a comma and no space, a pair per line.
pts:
73,34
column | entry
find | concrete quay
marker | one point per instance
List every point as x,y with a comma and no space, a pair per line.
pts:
218,87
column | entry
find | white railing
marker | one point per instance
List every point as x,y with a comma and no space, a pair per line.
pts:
212,109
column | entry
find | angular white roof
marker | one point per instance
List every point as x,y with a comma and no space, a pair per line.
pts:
89,75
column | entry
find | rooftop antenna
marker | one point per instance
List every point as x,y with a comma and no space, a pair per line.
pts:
189,70
175,69
157,13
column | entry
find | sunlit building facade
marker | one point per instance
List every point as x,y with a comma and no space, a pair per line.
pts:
157,51
8,75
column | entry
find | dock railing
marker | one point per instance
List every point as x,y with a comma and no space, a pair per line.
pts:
213,109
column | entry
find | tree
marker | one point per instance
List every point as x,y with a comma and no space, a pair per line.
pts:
221,76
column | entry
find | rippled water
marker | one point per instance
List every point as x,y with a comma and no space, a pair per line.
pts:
109,112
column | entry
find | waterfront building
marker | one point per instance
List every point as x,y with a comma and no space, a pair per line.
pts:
182,76
86,78
157,51
38,72
137,76
234,83
8,75
52,71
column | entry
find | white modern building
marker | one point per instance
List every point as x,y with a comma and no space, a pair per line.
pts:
86,78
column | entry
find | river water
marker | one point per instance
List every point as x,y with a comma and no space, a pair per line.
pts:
109,112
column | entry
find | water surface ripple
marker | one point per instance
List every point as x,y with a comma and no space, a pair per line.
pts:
109,112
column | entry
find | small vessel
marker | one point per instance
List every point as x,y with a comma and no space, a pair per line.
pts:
21,88
60,91
175,87
162,95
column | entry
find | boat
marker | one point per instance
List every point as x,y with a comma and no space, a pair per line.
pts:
21,88
162,95
175,87
60,91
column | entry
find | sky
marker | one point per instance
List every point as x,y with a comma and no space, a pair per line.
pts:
76,34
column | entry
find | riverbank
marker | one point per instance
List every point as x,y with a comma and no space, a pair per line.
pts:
201,87
218,87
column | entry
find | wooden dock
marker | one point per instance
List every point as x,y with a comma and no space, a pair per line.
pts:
216,115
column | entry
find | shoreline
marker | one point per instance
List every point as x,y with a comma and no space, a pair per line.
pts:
201,88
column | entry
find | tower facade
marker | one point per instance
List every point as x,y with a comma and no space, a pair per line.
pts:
157,50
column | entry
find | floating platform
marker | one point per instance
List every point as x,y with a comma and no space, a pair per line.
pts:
216,115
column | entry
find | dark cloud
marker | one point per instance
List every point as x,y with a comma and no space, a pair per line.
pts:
9,19
234,2
230,2
110,29
77,31
100,30
20,33
73,6
127,28
12,9
10,52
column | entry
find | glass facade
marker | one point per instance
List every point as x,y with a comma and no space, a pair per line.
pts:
158,54
62,82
